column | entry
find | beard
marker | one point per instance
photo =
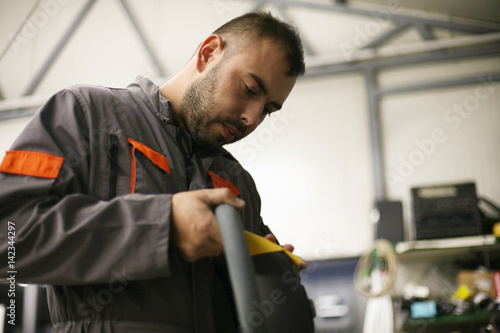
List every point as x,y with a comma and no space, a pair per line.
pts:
198,107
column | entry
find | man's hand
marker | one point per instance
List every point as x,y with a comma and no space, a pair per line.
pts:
288,247
194,229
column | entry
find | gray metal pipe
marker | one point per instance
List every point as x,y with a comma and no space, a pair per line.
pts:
239,263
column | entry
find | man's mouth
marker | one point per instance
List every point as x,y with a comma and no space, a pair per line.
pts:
230,133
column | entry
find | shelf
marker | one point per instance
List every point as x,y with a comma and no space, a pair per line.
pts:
449,323
459,247
435,263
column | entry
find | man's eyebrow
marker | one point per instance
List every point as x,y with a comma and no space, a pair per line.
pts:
260,82
263,87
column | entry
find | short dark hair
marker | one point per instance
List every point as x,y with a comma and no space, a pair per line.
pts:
259,25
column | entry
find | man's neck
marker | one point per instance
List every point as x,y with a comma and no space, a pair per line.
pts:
173,93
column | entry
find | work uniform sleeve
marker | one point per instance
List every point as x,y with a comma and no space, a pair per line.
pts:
63,235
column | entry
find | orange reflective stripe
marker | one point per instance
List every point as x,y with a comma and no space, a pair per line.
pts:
132,177
219,182
31,163
158,159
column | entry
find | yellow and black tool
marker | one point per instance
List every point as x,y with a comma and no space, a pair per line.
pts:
265,280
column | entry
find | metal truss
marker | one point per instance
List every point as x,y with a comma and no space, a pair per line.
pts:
369,59
369,63
58,48
71,30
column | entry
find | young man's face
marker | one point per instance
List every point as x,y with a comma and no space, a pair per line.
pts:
235,95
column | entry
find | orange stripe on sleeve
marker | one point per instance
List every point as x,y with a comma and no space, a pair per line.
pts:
158,159
219,182
132,177
31,163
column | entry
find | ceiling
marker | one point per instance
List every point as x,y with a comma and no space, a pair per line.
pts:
487,11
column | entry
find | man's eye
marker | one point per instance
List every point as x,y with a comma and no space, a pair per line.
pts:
268,111
249,91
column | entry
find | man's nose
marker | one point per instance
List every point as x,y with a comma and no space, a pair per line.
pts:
252,114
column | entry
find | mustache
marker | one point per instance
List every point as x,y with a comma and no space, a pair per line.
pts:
240,127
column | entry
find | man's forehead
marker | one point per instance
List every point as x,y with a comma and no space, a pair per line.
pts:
250,44
263,59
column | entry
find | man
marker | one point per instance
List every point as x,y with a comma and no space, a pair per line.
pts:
112,191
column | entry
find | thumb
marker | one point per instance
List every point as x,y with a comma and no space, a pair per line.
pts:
215,197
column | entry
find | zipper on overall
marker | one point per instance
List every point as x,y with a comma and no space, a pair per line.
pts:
113,165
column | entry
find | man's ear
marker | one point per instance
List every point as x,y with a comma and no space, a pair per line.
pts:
210,50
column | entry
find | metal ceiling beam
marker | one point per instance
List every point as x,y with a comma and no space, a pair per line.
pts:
425,31
308,50
152,55
389,62
59,47
400,27
350,54
390,14
69,33
18,113
491,77
370,68
434,51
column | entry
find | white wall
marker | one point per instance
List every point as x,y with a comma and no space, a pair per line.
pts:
442,136
9,130
312,162
312,165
